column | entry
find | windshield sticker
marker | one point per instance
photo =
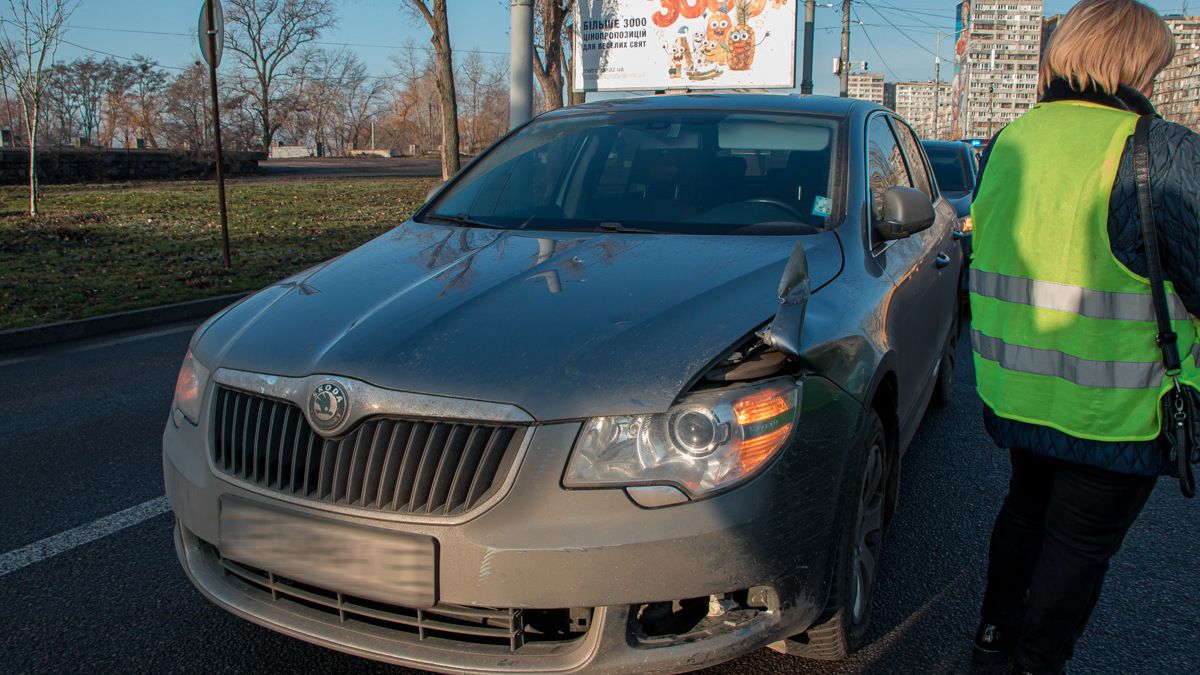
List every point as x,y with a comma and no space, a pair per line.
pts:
823,206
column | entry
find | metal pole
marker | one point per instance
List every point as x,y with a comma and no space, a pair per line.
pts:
810,15
216,111
372,132
937,84
520,80
844,83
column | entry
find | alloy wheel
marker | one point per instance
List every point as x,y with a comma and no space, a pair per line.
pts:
869,533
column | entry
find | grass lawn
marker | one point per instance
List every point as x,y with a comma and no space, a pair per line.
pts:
107,248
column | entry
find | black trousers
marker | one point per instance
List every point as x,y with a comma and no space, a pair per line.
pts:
1059,526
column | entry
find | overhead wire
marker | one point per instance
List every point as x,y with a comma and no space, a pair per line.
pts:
867,34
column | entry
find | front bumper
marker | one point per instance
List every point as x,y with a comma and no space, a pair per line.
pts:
542,546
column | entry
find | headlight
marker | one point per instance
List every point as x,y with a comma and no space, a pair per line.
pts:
189,388
707,442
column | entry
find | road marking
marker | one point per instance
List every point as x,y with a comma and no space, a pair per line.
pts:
84,534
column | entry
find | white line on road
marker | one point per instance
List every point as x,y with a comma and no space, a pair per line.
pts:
84,534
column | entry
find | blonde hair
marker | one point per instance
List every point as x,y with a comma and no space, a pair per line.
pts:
1107,43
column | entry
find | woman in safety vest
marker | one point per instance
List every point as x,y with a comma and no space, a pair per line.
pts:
1063,326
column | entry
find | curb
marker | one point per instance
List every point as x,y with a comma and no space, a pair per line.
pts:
65,331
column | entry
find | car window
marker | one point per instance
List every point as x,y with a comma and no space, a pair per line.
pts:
950,166
912,152
885,162
694,172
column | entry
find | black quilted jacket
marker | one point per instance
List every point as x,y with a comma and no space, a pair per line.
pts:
1175,185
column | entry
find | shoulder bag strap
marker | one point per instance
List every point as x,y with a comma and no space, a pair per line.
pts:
1166,338
1178,428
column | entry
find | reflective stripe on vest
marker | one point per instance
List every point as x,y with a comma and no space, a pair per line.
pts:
1063,331
1084,372
1073,299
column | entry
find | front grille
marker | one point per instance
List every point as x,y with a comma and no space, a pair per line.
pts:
508,629
400,465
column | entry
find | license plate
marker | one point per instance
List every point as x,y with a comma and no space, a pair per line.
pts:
374,564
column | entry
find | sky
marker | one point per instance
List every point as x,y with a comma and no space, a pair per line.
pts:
904,31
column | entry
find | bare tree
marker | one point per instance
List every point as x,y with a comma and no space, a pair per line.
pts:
38,29
549,56
439,27
265,34
186,108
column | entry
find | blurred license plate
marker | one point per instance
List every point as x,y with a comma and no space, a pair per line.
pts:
374,564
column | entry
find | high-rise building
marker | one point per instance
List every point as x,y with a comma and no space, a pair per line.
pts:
1049,25
996,65
1177,89
889,95
1186,30
915,102
867,86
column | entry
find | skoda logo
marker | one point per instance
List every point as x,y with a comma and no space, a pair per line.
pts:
327,406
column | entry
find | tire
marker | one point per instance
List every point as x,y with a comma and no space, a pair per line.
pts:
943,389
842,627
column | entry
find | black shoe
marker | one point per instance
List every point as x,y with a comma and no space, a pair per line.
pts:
993,644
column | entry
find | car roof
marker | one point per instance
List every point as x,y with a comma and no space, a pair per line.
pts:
946,145
778,103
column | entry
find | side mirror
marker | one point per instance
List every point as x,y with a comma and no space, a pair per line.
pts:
906,211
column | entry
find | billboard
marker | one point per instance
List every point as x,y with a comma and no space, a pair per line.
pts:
958,89
623,45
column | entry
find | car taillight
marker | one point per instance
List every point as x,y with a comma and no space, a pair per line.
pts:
965,225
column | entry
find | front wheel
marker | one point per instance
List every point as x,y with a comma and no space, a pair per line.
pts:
842,627
943,389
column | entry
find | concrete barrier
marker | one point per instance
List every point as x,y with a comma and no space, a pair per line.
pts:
88,165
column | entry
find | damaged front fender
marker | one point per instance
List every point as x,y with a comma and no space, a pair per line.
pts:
783,333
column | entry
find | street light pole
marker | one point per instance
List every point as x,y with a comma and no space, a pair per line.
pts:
520,82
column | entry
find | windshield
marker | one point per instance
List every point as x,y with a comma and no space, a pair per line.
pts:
950,167
695,172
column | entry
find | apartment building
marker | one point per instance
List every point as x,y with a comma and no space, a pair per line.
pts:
919,102
1186,30
1177,89
867,86
998,71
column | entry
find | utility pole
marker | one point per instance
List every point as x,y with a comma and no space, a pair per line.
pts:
844,84
937,85
810,16
937,104
520,81
992,94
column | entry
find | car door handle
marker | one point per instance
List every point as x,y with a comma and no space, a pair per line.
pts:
960,235
941,260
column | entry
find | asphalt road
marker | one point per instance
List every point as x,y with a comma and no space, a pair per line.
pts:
80,434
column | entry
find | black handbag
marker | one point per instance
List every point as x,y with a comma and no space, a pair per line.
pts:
1181,404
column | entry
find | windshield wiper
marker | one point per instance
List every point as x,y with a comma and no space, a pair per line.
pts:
609,226
462,219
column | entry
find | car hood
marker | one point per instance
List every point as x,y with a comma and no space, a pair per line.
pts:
562,324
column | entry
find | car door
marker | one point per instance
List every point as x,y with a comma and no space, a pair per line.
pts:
917,311
946,251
